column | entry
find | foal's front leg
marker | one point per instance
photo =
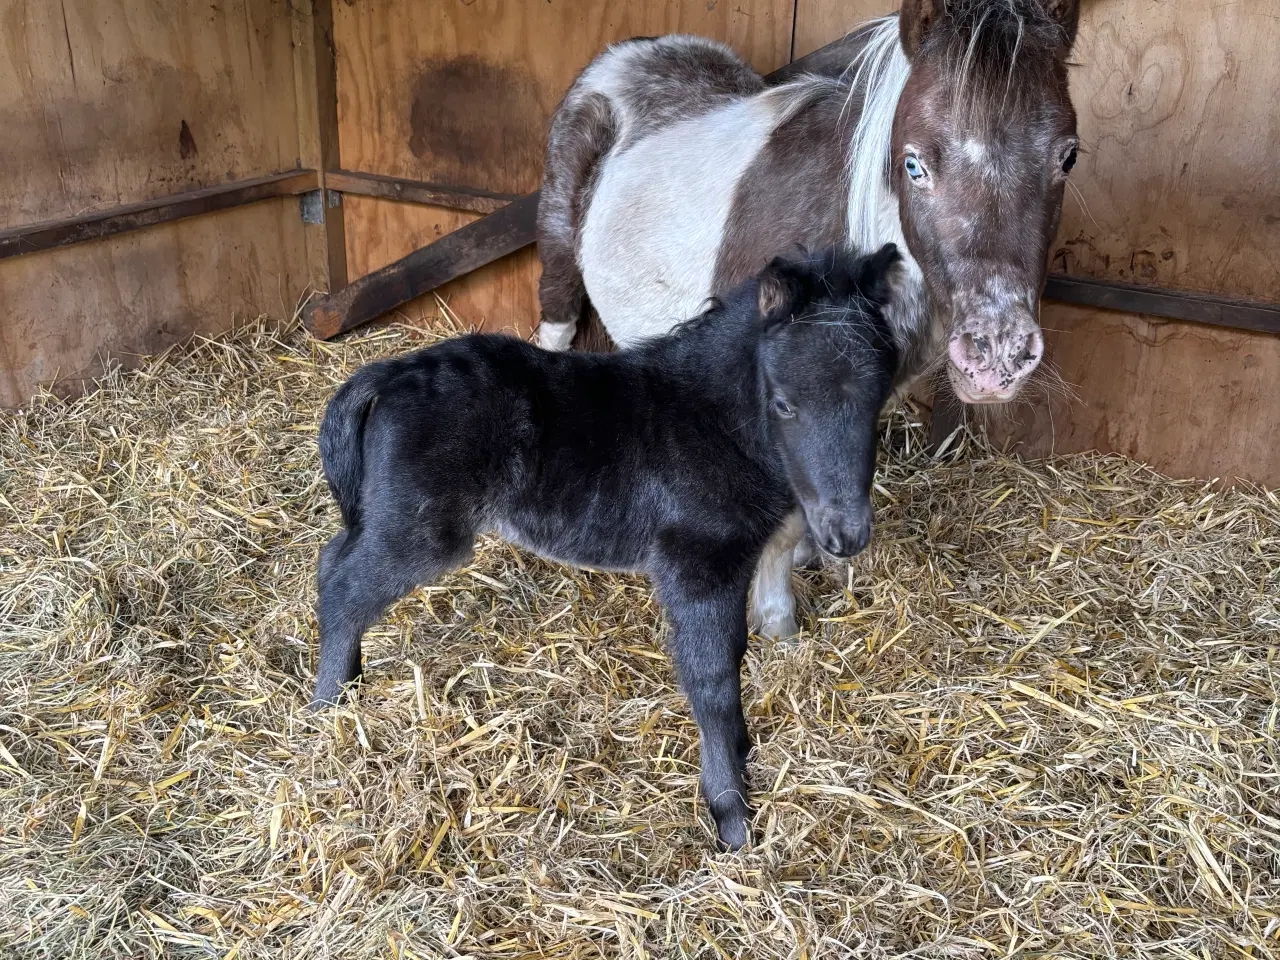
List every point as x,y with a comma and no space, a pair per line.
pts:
708,641
773,605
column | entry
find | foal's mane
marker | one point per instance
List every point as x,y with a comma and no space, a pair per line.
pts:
994,55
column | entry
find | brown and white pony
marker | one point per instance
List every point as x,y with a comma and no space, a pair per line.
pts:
673,173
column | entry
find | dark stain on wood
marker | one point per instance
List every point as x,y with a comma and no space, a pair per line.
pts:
187,143
476,123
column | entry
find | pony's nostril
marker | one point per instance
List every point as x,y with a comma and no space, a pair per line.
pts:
1032,348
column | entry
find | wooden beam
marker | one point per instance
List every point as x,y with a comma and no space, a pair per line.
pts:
453,255
326,87
105,223
416,191
1174,304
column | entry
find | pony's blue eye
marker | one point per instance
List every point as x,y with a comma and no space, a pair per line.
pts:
915,169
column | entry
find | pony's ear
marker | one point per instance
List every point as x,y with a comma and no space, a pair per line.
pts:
780,287
876,278
915,20
1066,14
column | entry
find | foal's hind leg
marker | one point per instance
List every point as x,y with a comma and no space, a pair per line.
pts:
709,639
582,131
363,573
773,605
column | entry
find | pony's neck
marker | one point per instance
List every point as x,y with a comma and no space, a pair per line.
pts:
879,73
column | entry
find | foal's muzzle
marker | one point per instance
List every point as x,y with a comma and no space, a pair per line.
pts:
842,532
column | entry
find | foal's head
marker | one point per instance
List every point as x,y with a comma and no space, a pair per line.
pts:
983,140
827,360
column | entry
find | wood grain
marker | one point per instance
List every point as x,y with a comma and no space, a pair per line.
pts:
107,102
138,293
500,297
1192,400
1178,118
818,22
428,268
461,93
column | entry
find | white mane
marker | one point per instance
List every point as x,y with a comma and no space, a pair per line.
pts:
880,70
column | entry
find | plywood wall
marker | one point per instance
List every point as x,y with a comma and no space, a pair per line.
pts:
461,94
1178,188
106,102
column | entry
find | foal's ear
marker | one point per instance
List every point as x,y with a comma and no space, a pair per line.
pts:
781,286
915,19
877,277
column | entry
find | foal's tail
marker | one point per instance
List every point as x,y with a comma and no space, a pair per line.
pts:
342,435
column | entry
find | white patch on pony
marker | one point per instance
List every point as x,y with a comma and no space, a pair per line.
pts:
772,610
556,336
657,218
975,151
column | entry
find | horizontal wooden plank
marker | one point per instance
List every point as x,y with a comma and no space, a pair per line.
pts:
133,216
1173,304
467,248
416,191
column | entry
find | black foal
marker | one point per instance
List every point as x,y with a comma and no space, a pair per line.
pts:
680,458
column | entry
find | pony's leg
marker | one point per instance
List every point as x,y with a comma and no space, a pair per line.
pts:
773,605
582,131
807,555
708,641
359,576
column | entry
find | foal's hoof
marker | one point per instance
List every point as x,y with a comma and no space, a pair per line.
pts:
733,828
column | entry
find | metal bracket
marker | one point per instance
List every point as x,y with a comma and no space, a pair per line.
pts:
311,207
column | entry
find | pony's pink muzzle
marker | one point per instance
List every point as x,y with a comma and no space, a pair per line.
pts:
990,359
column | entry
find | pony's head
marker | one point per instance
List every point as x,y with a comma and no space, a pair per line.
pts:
827,363
983,140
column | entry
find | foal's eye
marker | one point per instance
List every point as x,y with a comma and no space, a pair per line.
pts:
915,169
1069,160
782,408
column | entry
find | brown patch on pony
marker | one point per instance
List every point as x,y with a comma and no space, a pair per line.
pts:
784,198
676,81
583,131
591,335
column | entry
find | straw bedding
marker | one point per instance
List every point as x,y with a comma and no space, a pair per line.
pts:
1037,718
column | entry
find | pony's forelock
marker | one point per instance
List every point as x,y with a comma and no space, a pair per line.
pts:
880,72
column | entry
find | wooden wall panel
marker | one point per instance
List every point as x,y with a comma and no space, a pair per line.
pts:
1182,147
818,22
1192,400
502,297
140,292
104,102
461,93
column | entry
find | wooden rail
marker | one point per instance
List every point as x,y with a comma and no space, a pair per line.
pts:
94,226
415,191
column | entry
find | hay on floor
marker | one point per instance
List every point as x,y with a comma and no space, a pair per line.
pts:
1037,718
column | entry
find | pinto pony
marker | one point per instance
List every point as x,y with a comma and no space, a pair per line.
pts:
673,172
681,458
